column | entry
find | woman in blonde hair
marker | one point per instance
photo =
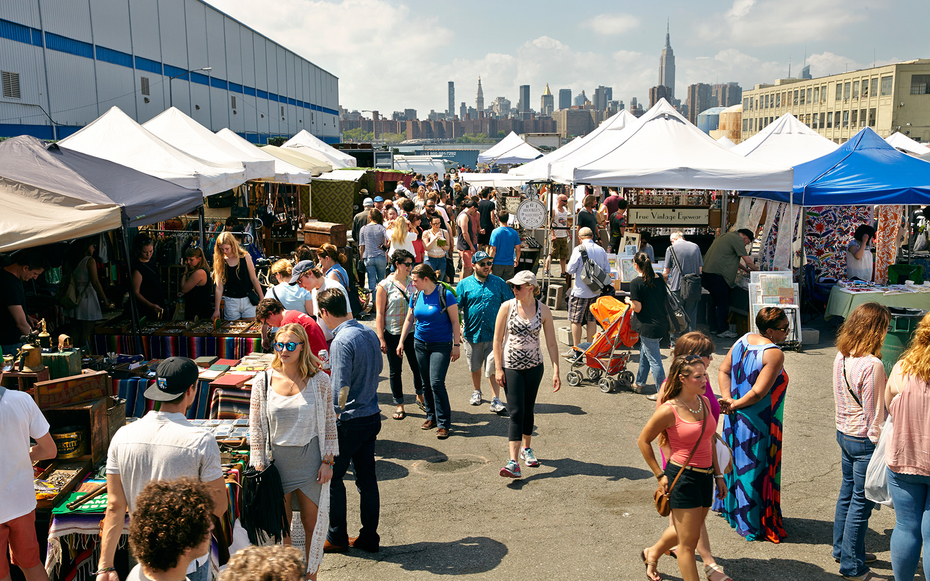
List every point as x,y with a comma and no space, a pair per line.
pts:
907,452
234,275
293,297
293,423
402,236
859,393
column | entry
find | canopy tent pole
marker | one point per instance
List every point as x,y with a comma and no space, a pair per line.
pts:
203,236
133,310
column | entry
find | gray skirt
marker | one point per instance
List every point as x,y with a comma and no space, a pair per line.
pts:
299,467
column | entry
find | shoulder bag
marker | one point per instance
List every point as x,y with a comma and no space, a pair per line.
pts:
263,513
592,274
677,319
662,500
690,283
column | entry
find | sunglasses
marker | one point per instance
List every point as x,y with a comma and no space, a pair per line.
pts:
407,264
290,346
784,329
484,264
431,207
517,287
692,357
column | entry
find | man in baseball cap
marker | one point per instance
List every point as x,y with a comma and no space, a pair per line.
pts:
379,202
300,269
173,377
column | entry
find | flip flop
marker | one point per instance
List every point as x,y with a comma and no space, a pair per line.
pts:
399,415
673,553
422,406
715,573
642,555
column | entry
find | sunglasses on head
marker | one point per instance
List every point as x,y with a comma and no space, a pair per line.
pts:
291,346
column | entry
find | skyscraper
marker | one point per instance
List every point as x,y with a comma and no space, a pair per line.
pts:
547,102
602,95
565,98
580,99
667,66
479,101
451,110
700,97
523,106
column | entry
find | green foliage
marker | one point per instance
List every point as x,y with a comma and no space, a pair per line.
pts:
479,138
392,137
276,141
358,135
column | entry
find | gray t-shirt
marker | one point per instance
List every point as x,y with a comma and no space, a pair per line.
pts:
372,236
689,255
162,446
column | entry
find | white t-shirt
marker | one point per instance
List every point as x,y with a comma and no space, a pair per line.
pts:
560,221
20,419
860,268
329,283
407,245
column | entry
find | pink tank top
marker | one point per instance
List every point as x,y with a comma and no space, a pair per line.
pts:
683,435
908,450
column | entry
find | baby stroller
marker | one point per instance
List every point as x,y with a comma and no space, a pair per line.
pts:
606,357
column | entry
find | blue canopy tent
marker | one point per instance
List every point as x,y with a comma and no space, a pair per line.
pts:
864,171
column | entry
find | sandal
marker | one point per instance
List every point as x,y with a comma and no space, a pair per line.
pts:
714,572
422,406
399,415
673,552
653,564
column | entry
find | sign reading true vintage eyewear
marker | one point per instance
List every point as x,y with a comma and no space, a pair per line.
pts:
683,217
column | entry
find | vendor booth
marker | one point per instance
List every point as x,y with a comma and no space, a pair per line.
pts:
304,140
511,150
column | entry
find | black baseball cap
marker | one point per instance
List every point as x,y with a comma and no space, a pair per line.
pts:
172,378
300,269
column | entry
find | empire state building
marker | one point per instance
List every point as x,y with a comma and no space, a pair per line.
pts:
667,67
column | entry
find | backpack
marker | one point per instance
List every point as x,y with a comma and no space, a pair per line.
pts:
442,296
592,274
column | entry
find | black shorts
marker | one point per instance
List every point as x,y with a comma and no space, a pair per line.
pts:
484,239
693,489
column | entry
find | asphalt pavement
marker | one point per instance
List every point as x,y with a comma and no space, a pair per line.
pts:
587,511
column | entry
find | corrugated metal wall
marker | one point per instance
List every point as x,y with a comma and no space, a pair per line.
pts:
78,58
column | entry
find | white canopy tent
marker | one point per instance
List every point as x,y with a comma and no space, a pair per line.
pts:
726,142
344,175
194,139
306,140
539,169
664,150
300,158
904,143
497,180
785,142
509,151
116,137
283,171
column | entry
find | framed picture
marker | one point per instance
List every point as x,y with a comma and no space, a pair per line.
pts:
630,239
627,269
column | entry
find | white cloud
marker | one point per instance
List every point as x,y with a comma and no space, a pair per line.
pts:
612,24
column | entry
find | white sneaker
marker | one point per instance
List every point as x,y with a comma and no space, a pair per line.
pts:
497,406
728,334
475,397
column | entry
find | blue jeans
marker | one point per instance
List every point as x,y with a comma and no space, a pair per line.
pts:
649,358
911,496
357,445
433,359
439,265
375,267
852,507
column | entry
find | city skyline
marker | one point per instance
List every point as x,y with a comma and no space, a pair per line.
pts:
717,41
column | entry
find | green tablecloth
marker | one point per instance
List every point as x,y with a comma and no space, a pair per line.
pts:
842,302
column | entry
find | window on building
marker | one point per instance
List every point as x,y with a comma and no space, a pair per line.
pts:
872,117
920,84
823,93
232,101
829,120
802,97
745,104
809,100
282,110
145,85
795,101
854,118
816,95
10,85
887,83
845,119
846,90
778,99
873,90
855,92
765,102
745,124
839,91
861,117
865,88
823,120
815,121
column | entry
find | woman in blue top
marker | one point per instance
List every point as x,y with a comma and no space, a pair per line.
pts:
331,262
437,337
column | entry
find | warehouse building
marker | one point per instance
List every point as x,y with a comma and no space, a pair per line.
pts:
64,63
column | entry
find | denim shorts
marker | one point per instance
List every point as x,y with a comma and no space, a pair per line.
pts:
693,489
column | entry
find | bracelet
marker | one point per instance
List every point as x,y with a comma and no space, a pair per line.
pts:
456,344
659,476
104,570
331,463
718,475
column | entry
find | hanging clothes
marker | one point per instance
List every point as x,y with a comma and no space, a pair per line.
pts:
886,240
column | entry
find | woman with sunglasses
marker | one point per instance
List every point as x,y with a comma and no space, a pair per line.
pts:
293,423
694,345
519,364
391,300
683,423
436,340
752,384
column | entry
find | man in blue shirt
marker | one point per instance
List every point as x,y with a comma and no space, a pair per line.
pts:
355,362
504,247
480,298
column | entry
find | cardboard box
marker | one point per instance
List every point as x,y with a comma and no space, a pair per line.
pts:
72,389
92,416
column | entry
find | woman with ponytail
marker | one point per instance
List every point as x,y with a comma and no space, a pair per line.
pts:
648,298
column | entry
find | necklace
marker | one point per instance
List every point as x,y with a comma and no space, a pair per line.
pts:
697,411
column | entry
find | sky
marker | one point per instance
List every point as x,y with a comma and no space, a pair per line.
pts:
391,55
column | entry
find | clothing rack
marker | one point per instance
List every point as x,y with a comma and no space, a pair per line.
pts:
249,238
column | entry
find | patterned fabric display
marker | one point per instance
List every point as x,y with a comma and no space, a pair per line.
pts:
783,245
753,502
828,232
770,235
886,240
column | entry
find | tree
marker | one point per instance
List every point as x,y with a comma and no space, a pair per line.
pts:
276,141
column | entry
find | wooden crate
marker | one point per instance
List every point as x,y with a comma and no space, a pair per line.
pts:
83,469
72,389
319,233
92,416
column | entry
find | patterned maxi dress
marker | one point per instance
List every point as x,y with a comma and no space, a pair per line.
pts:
753,502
